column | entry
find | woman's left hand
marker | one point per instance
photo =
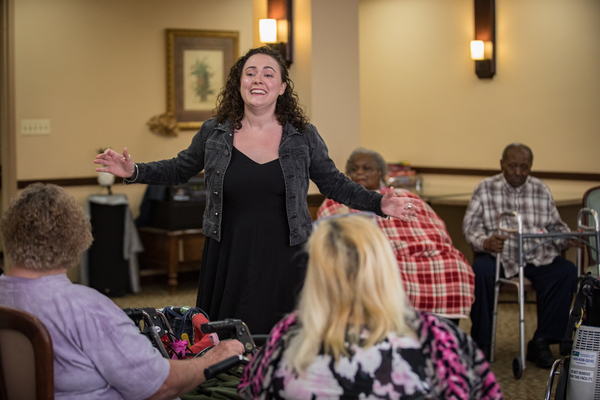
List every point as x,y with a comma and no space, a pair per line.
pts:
404,208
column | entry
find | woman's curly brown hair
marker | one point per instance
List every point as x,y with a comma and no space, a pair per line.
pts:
230,105
44,229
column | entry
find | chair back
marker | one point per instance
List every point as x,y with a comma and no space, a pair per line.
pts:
26,357
591,199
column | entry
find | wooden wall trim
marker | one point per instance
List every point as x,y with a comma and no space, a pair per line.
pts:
315,199
67,182
573,176
8,140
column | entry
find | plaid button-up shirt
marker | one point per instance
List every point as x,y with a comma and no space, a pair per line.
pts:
436,276
533,201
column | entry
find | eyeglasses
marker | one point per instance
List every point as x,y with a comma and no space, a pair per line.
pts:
363,214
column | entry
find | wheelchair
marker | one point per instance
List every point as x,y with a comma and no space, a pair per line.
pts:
578,371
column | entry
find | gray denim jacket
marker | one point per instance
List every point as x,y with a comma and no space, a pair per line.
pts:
302,156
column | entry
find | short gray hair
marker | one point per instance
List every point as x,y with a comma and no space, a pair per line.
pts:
520,147
379,161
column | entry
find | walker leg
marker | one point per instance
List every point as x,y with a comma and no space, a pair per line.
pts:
517,367
494,322
521,321
495,313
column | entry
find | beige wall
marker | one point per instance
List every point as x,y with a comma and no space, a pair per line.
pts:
391,75
335,96
422,102
97,70
325,71
301,68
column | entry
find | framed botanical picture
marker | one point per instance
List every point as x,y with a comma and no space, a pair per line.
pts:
198,62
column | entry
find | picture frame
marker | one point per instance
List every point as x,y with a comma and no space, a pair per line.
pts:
198,63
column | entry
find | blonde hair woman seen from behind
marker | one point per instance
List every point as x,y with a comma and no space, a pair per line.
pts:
351,285
354,335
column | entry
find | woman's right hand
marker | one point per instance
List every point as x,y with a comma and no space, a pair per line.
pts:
115,163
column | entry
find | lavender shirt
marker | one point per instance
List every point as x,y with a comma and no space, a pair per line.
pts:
98,351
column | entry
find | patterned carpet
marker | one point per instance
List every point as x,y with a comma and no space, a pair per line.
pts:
531,386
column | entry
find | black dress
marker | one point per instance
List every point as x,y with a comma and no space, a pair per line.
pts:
253,273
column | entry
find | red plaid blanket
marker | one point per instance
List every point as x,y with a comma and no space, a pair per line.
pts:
437,277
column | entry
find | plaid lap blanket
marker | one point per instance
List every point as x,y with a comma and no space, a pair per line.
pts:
436,276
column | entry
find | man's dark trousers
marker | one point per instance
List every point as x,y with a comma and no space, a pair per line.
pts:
554,284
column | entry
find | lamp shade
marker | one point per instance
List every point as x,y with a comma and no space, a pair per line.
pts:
268,30
477,49
482,50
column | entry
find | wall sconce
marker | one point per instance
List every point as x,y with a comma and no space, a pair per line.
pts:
268,30
483,48
278,28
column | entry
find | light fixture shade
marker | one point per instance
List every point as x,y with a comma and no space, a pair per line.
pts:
482,50
477,49
282,30
488,50
268,30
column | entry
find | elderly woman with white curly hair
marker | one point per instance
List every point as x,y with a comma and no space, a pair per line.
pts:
98,351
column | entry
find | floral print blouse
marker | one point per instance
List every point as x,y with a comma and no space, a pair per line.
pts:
441,363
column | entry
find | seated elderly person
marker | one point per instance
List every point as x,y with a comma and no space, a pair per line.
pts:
436,276
553,277
354,334
98,351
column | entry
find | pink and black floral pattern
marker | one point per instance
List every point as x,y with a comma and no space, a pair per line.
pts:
441,363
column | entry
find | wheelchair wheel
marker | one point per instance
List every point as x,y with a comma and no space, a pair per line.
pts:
563,378
517,367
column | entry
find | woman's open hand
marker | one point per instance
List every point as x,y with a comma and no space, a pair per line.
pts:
404,208
115,163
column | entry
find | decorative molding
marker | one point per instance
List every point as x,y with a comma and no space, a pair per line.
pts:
315,199
573,176
8,137
67,182
318,198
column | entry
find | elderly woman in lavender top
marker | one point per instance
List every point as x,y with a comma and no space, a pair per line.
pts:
98,351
